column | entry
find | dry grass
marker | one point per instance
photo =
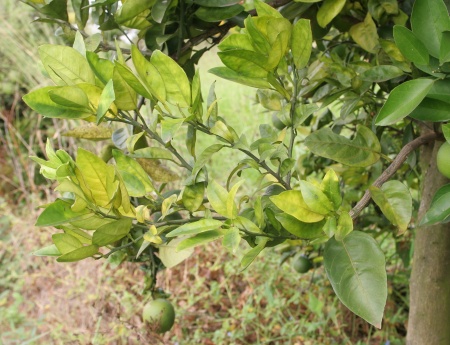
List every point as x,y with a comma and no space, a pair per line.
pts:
93,303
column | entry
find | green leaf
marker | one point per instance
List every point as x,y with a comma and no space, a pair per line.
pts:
263,9
79,45
439,210
315,199
446,131
92,222
204,157
344,226
362,151
216,3
231,240
40,101
131,9
125,96
149,76
169,255
81,235
136,180
429,19
410,46
246,63
70,97
195,228
159,10
81,12
169,127
356,269
111,232
66,243
444,53
153,153
202,238
97,179
269,99
56,9
106,99
247,224
251,255
328,11
102,68
217,14
193,196
330,186
403,100
229,74
330,227
47,251
231,204
65,65
292,203
381,73
60,212
395,201
307,231
79,254
178,89
236,41
133,81
440,90
301,44
218,198
366,34
432,110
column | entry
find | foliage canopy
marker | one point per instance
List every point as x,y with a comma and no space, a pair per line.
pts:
323,68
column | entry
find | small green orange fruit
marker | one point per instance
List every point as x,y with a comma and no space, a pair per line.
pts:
160,314
443,159
302,264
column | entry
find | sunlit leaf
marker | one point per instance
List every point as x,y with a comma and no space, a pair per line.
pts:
328,11
65,65
365,34
293,204
196,227
169,254
301,44
60,212
403,100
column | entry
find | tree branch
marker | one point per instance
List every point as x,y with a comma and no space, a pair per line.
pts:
392,168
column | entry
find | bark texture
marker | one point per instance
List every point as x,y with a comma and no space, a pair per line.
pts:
429,316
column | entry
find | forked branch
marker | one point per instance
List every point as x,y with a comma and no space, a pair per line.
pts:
392,168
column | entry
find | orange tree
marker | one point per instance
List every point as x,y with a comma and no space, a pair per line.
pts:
356,87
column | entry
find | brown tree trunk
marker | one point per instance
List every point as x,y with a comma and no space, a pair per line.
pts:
429,316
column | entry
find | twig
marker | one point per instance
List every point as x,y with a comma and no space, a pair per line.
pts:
292,115
392,168
156,137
